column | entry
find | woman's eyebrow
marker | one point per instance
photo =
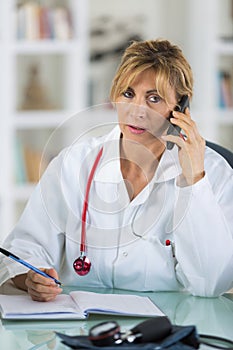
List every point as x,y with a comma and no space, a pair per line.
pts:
150,91
154,91
129,88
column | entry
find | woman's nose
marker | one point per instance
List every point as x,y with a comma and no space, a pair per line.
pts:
138,111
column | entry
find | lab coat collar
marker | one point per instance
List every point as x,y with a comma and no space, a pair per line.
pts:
109,169
169,166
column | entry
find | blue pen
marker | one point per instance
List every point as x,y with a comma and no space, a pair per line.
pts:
33,268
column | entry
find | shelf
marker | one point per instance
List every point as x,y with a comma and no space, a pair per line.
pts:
46,46
224,116
40,119
224,47
44,84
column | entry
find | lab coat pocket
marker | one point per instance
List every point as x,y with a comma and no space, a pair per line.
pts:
160,267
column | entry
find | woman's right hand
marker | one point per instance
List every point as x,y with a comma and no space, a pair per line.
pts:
41,288
38,287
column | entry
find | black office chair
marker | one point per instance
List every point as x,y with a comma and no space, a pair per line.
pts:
224,152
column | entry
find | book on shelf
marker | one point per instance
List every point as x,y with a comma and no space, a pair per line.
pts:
62,24
30,164
35,164
77,305
38,22
20,170
225,90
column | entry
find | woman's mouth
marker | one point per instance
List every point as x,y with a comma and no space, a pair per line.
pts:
136,130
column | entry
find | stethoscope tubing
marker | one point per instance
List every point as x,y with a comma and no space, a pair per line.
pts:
85,203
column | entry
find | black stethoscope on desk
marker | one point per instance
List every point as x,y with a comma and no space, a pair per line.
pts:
82,264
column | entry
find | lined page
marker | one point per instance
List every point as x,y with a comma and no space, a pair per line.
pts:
23,305
123,304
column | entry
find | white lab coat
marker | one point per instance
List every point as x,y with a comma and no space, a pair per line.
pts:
126,240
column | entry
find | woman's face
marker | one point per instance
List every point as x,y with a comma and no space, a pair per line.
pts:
142,112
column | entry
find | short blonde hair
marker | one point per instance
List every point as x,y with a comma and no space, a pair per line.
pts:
167,61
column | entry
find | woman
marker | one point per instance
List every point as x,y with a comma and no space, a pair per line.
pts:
157,219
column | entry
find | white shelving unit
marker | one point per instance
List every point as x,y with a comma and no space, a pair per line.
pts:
207,22
223,60
68,60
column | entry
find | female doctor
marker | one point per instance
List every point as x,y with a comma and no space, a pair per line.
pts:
152,209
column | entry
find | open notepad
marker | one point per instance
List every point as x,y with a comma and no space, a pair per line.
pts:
77,305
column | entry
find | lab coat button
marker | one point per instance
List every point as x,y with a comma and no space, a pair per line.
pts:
125,254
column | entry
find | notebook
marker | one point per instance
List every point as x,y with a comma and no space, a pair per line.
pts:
77,305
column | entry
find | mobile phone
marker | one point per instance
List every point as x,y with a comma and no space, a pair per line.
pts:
174,129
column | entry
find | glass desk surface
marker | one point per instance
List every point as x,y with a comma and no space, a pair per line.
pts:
212,316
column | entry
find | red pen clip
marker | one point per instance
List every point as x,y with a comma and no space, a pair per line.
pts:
167,243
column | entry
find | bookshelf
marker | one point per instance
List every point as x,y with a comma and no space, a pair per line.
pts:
210,49
45,82
223,53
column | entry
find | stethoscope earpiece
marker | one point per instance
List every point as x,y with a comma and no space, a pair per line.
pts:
82,265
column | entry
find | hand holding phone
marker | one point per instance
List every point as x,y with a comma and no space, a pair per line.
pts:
174,129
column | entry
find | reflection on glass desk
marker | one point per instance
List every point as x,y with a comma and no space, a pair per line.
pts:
210,315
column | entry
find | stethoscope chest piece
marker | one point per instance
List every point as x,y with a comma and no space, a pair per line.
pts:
82,265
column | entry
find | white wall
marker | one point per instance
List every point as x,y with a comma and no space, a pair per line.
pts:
163,18
149,18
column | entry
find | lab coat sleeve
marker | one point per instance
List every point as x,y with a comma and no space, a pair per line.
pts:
38,237
203,233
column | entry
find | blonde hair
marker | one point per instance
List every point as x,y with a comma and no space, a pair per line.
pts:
167,61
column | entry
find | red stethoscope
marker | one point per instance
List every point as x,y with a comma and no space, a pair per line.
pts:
82,264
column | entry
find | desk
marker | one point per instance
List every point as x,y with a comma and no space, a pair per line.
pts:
210,315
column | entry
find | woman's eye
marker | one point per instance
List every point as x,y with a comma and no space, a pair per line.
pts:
154,98
128,94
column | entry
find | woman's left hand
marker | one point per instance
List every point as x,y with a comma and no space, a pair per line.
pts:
191,150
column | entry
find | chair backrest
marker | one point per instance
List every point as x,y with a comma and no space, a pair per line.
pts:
224,152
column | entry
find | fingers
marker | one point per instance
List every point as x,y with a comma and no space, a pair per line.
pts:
185,122
179,141
41,288
189,127
191,149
